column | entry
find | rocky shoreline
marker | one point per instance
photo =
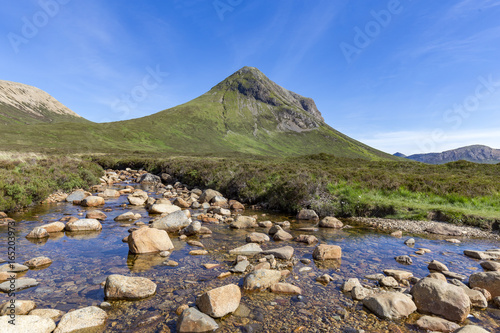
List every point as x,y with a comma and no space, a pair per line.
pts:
272,262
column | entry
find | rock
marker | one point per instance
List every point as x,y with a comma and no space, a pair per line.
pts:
496,301
195,243
208,195
487,280
15,267
404,260
308,239
77,195
349,284
192,320
138,198
307,214
96,214
86,319
331,222
198,252
219,201
324,252
483,255
220,301
257,237
48,313
442,299
436,324
38,262
398,274
192,229
477,299
486,293
128,216
240,267
285,288
410,242
236,205
390,305
149,179
443,229
265,224
180,203
359,293
38,233
453,275
325,278
282,235
93,201
83,225
285,252
453,240
27,324
120,287
110,193
261,279
437,266
172,222
19,284
274,229
436,275
53,227
244,222
20,307
163,209
248,249
375,277
471,329
146,240
490,265
389,282
397,234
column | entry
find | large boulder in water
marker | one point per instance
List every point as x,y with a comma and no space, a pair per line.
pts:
172,222
390,305
138,198
149,179
120,287
220,301
146,240
486,280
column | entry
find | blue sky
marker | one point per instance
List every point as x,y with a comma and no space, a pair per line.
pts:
408,76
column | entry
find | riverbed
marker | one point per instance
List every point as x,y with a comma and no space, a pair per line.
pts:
82,261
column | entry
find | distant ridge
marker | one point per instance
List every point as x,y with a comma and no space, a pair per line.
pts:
24,104
474,153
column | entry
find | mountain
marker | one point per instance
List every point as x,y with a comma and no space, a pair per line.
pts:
23,104
245,113
475,153
398,154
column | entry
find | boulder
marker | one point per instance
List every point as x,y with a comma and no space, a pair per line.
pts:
390,305
47,313
349,284
19,284
89,319
128,216
110,193
477,298
120,287
172,222
331,222
194,228
265,224
444,229
181,203
404,260
308,239
324,252
471,329
77,195
248,249
138,198
359,293
389,282
27,324
285,252
244,222
96,214
307,214
146,240
83,225
490,265
15,267
38,262
398,274
285,288
20,307
149,179
436,324
282,235
53,227
440,298
93,201
486,280
38,233
236,205
208,195
192,320
261,279
220,301
163,209
257,237
437,266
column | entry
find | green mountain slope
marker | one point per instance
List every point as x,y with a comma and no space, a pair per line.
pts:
246,113
23,104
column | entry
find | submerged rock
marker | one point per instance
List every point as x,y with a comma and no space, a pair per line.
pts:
261,279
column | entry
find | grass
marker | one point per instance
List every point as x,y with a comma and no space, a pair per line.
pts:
27,179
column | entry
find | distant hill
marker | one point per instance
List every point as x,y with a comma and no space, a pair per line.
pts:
475,153
245,113
23,104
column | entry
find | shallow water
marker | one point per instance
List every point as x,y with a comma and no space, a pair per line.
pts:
81,261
